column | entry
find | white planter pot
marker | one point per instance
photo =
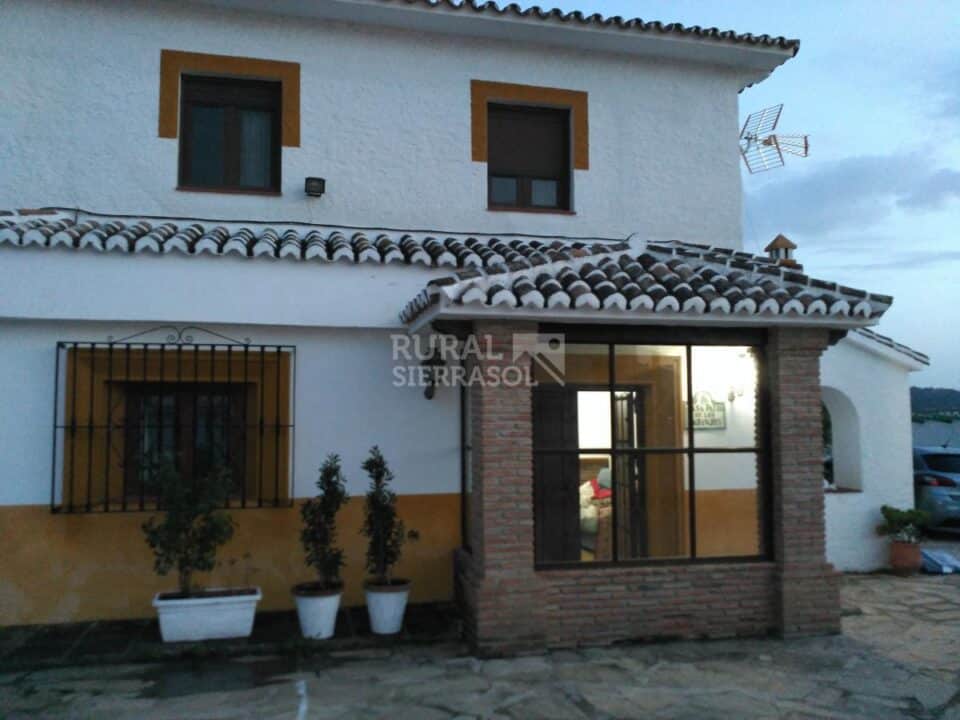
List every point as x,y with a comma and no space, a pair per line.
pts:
206,618
318,614
386,606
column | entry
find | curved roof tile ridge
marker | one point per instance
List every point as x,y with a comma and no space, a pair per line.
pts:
616,21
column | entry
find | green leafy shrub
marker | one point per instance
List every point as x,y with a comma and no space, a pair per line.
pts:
194,524
319,534
902,525
383,529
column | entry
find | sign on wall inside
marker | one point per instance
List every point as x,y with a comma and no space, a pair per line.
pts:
708,414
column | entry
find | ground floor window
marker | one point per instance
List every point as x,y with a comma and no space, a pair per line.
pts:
647,451
124,409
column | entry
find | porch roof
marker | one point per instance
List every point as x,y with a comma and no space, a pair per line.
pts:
653,282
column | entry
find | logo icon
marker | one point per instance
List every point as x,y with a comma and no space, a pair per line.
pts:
546,350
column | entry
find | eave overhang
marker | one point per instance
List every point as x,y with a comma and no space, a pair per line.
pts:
757,55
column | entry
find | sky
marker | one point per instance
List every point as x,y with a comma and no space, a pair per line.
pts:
876,205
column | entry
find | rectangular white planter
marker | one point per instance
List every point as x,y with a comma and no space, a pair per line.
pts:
206,618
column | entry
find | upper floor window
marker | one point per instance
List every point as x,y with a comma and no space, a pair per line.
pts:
528,157
230,134
532,139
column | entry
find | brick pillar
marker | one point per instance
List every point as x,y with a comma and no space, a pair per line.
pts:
503,602
808,587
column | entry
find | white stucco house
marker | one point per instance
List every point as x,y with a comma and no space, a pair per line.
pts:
221,215
866,390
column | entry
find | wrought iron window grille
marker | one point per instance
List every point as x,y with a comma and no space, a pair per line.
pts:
124,405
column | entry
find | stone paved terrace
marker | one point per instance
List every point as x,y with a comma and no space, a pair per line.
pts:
899,657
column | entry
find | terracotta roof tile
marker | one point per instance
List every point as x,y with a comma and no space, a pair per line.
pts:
577,17
298,242
894,345
674,277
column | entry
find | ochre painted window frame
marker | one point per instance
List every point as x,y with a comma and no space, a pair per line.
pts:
484,92
175,63
94,433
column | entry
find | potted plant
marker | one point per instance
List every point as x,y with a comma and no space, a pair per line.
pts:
319,600
194,525
386,595
904,528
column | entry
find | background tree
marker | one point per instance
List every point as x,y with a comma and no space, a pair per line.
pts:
383,529
319,534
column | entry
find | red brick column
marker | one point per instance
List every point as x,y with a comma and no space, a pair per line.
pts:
499,588
807,586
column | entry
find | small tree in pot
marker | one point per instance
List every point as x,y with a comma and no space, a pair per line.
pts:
905,528
193,527
386,595
318,601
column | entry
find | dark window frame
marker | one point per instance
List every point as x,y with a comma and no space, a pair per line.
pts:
563,178
233,95
611,336
186,417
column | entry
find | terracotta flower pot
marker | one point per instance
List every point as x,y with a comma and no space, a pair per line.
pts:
905,558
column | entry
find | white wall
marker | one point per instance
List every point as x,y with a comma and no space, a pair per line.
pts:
60,283
385,118
345,402
878,387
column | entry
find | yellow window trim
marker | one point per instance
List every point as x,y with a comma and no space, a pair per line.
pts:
94,451
174,63
484,92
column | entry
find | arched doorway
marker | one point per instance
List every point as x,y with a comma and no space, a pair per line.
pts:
842,439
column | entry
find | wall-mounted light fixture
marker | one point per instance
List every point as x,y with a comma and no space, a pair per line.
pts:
315,186
431,368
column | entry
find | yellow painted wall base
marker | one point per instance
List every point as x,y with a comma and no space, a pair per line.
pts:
70,568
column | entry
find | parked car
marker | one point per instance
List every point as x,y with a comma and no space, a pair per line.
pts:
936,486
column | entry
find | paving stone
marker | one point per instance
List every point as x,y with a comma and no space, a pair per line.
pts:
930,692
414,675
533,665
546,707
951,713
896,660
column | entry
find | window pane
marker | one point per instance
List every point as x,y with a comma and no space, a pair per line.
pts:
727,504
593,419
724,397
544,193
581,364
528,141
531,144
256,142
206,145
652,506
503,191
573,497
565,418
649,405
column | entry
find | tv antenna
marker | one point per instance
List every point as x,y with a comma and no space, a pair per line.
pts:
761,149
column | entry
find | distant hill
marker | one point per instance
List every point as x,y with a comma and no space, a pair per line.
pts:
929,401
